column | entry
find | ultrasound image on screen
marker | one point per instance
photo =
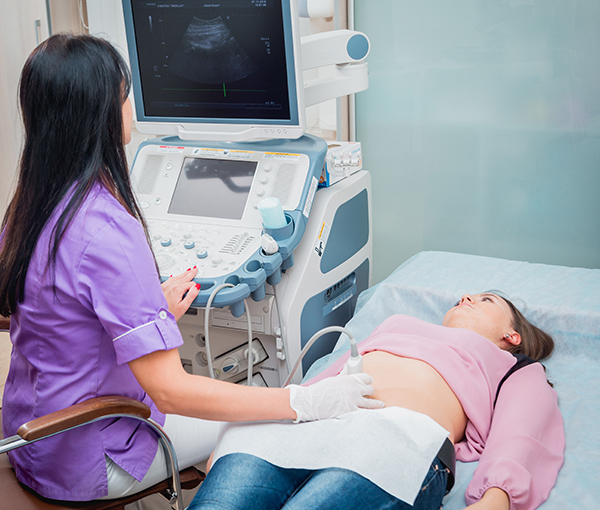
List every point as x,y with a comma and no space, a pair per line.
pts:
213,188
210,53
212,60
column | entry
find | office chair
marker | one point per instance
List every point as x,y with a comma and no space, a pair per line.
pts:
17,496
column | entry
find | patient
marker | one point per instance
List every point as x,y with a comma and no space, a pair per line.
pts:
437,382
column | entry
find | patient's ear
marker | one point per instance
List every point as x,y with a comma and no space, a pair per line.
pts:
513,338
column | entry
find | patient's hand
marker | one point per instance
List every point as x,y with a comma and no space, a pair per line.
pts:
493,499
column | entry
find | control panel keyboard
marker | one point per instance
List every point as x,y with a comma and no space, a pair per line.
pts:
215,250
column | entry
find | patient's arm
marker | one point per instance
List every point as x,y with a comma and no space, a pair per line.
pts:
525,447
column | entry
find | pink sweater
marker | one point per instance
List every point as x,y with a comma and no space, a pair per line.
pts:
521,449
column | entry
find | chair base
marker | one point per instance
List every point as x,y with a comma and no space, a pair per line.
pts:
18,496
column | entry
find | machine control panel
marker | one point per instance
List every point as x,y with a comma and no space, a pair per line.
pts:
200,200
216,251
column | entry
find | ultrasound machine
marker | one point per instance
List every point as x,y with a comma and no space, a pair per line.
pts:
222,83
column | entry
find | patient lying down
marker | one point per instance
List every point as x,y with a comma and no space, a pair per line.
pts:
437,382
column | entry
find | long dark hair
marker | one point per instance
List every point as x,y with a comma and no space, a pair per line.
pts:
71,95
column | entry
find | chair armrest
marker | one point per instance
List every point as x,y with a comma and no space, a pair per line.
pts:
78,414
96,409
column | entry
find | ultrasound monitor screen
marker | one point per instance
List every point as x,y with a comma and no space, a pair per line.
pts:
213,188
214,61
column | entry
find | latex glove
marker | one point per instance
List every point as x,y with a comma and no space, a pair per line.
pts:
333,396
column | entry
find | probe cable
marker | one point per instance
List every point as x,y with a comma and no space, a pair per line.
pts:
283,331
207,340
354,364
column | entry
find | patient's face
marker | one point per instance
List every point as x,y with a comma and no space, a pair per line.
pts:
486,314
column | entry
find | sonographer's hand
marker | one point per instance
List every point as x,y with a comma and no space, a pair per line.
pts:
180,291
333,396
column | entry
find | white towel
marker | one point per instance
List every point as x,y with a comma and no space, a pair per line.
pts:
392,447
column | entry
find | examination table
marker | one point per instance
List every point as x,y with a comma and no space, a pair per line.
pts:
565,302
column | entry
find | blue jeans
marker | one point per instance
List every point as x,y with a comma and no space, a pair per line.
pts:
243,482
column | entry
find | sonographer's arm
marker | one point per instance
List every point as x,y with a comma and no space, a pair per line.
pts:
174,391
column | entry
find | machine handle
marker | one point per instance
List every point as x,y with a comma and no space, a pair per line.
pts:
225,297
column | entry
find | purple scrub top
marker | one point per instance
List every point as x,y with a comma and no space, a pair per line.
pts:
73,343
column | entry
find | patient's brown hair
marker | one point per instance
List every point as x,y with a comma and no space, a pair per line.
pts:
535,343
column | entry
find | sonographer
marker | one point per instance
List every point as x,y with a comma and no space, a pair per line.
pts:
88,314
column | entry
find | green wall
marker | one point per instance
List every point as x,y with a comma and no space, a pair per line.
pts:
481,128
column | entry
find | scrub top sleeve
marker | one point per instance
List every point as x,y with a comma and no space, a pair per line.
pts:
118,278
525,448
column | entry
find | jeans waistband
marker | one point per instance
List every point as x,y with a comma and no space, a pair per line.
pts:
447,457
